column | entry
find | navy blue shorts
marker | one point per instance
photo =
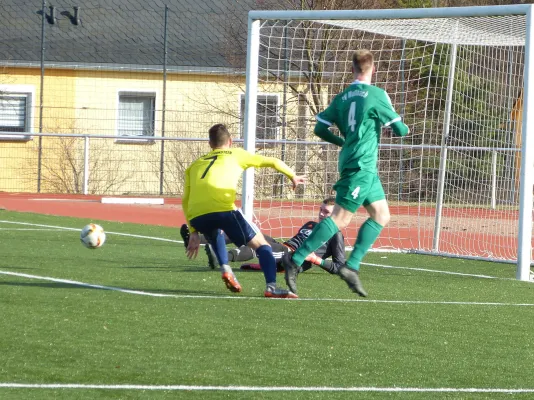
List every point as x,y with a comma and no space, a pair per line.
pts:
233,223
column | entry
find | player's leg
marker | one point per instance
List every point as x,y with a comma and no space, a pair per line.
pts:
218,245
351,190
268,266
241,254
278,250
264,252
377,207
185,234
210,225
216,241
245,253
210,253
242,232
322,232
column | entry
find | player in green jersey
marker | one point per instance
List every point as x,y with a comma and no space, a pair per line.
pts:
359,112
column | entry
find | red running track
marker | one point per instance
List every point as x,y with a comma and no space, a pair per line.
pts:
170,214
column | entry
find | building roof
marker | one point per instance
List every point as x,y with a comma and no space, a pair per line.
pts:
126,34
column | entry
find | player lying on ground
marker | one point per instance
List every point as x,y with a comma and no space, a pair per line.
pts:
334,247
359,112
209,206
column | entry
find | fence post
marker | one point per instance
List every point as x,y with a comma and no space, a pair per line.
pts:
164,103
86,165
41,94
494,180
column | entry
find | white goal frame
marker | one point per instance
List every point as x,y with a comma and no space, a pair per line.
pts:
524,249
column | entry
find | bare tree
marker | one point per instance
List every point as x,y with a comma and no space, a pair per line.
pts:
323,69
302,98
63,167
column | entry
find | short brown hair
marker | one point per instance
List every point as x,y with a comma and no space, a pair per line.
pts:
362,61
329,201
219,135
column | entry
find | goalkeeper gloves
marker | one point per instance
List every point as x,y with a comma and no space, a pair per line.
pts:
315,259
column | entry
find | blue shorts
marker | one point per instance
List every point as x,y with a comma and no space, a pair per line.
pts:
233,223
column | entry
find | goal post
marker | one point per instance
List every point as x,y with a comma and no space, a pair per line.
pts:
250,112
456,75
524,249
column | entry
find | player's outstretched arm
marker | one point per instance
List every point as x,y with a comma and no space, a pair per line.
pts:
400,128
298,180
248,160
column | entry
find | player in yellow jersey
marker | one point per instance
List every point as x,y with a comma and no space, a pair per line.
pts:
209,206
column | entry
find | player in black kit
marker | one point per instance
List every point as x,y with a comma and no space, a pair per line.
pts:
329,256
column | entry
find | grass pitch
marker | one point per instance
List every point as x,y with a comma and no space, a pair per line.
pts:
137,319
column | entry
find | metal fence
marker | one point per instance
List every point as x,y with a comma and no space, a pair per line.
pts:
77,70
105,165
114,68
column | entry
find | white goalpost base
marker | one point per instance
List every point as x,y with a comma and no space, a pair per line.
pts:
461,183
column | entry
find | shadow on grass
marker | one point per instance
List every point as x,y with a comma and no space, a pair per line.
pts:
9,267
110,288
54,285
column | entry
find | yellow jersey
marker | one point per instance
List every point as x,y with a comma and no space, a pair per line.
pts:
211,180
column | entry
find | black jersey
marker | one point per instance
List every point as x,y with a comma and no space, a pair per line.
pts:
335,247
296,241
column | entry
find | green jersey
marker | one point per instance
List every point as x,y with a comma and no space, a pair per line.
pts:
359,112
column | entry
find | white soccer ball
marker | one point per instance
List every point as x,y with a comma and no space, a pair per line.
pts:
93,236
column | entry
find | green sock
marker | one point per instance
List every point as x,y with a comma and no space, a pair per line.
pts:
367,235
322,232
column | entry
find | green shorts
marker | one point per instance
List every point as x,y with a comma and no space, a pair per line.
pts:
357,187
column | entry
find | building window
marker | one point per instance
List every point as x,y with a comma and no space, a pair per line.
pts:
15,112
136,114
266,117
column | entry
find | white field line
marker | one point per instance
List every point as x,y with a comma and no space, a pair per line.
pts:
179,296
107,232
32,229
180,241
436,271
262,388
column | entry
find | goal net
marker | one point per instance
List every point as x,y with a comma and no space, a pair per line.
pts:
453,184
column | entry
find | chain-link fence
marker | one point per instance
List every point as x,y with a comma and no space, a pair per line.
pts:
129,69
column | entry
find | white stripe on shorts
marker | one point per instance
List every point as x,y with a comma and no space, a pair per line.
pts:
252,224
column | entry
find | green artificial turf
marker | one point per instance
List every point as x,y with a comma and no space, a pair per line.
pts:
424,324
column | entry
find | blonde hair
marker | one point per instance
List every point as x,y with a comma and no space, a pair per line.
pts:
362,61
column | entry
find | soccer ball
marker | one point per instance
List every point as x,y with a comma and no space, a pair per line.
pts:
93,236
